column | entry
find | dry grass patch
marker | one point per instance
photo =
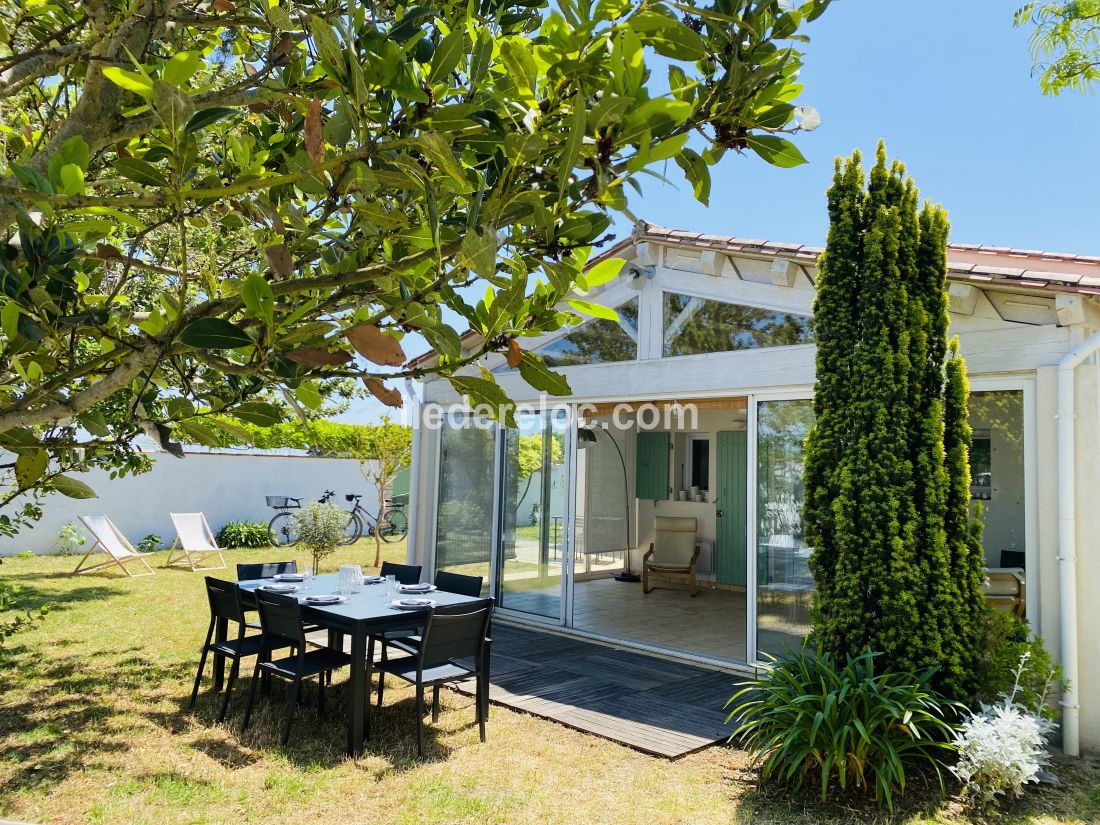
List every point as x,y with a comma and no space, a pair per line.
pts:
94,727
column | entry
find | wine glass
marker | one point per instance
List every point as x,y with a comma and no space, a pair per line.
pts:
391,587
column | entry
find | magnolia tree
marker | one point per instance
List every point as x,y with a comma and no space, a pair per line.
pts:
212,211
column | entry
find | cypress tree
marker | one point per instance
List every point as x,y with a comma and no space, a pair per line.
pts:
896,559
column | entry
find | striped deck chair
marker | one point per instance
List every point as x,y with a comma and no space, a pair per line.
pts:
195,543
114,544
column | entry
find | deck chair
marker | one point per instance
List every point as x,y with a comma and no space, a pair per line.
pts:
114,544
195,543
673,552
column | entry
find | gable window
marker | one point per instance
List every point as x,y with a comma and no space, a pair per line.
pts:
699,325
596,342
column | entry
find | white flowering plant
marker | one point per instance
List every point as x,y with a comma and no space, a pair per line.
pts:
1002,747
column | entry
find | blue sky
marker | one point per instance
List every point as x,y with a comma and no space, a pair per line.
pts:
949,87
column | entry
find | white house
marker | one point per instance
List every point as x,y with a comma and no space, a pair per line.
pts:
701,391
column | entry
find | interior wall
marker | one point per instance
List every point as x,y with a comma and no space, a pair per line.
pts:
1002,414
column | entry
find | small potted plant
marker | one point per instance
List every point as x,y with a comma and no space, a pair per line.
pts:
321,527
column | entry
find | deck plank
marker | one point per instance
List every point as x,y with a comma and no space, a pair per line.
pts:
663,708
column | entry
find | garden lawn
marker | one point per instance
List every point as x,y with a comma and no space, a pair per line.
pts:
94,727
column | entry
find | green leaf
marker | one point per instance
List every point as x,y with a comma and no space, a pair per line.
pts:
200,433
205,117
535,372
479,248
9,320
259,413
71,180
572,149
29,177
481,392
132,81
234,431
180,67
328,47
94,423
213,333
29,467
776,150
667,36
697,173
71,487
520,63
603,272
74,152
436,148
309,395
595,310
258,297
448,54
140,171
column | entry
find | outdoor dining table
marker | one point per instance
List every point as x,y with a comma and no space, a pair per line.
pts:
364,613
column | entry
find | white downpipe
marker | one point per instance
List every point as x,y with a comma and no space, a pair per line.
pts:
1067,536
414,471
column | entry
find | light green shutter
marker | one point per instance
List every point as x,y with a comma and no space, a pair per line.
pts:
651,467
730,551
399,489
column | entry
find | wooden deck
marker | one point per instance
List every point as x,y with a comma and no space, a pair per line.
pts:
656,706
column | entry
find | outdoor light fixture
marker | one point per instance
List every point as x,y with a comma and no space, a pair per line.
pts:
585,437
636,277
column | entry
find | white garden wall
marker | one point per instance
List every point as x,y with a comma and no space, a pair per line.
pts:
226,487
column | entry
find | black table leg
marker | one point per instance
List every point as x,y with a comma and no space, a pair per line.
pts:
359,691
488,675
221,633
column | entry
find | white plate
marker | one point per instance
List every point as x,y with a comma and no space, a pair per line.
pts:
289,577
324,601
400,604
373,579
278,588
416,588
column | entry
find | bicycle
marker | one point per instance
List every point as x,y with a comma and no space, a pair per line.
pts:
393,526
282,530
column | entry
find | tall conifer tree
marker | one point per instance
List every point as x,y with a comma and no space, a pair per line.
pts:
896,559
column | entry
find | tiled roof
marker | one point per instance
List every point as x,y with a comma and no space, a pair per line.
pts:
984,265
1034,269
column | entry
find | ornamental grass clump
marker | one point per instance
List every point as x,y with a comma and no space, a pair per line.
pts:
809,718
1002,747
321,527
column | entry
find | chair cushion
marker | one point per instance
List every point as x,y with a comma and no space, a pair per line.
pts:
316,661
673,543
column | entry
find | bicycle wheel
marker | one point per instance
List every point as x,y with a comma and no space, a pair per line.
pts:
353,531
395,525
282,531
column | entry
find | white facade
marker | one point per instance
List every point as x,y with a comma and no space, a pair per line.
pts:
1017,314
223,486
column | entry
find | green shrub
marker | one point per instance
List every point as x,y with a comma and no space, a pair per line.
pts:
150,543
24,554
14,619
69,538
243,534
321,528
1006,639
808,717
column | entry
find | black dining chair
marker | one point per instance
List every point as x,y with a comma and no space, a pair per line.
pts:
407,639
459,583
404,573
265,570
281,621
451,633
225,604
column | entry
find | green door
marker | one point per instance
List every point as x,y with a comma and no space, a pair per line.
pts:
730,550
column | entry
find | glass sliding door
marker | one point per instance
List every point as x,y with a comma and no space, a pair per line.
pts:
534,481
463,538
784,585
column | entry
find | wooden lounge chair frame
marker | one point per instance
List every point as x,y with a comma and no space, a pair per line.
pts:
673,524
189,557
122,553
